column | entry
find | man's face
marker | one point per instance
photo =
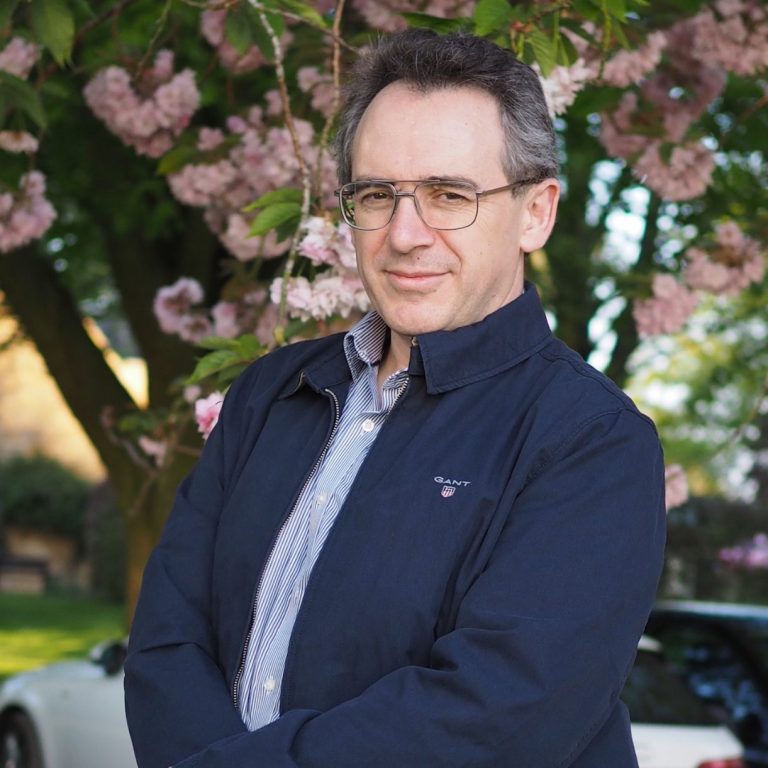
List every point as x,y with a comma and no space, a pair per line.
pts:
421,279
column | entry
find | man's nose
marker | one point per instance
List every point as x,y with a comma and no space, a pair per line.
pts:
407,229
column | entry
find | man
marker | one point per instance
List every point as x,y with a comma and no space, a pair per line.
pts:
433,541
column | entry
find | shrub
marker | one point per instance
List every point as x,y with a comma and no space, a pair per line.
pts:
40,494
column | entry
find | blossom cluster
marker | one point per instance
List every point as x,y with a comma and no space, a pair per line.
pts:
207,410
18,142
750,555
734,35
179,310
25,215
679,72
213,29
666,311
18,57
727,267
335,291
386,14
150,113
260,158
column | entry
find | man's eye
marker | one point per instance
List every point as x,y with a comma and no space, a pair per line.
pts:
373,196
451,195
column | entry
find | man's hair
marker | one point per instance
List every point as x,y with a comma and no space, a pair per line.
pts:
426,61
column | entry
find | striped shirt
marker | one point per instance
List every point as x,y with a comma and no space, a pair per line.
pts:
302,536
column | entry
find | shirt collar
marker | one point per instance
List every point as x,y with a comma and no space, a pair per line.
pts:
364,343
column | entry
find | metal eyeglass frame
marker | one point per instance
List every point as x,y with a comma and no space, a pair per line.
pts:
421,182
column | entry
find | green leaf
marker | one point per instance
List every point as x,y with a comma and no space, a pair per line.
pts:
19,94
177,158
54,26
544,50
273,216
7,7
248,346
216,342
284,195
237,29
616,8
304,11
492,16
84,7
213,363
439,24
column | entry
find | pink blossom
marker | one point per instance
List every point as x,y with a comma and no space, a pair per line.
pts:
750,555
213,29
729,266
563,84
310,80
148,123
225,322
686,175
617,130
195,326
18,57
191,393
209,138
666,310
207,411
737,41
27,215
155,449
326,243
386,15
173,302
676,486
627,67
18,141
329,295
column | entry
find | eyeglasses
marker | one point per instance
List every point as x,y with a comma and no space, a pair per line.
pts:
440,203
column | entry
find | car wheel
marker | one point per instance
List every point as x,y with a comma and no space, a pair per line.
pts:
19,747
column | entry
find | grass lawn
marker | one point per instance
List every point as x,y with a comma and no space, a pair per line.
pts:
39,629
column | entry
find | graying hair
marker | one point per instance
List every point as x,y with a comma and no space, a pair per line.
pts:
426,61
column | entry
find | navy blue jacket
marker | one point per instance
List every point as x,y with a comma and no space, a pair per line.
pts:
489,626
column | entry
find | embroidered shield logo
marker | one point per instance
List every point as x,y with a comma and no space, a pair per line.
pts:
448,490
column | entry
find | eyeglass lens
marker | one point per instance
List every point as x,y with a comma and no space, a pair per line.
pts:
441,204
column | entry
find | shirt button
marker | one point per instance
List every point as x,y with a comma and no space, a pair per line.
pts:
269,684
321,497
368,425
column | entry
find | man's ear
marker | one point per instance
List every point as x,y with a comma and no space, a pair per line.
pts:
539,214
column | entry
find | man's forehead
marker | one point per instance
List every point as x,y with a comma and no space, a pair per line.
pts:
437,132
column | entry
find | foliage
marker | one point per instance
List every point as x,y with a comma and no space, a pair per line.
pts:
42,629
38,493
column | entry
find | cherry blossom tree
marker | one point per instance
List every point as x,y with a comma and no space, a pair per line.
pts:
166,169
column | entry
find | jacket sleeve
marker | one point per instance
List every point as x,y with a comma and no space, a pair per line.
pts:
177,700
544,638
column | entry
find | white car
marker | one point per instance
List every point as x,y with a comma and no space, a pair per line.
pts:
671,728
70,715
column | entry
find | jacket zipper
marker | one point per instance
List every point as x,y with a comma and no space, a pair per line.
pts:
310,475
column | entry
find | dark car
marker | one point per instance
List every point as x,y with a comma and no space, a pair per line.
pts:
721,651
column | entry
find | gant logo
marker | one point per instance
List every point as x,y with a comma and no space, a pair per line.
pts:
449,486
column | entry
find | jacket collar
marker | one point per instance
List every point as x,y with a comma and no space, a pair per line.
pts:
451,359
